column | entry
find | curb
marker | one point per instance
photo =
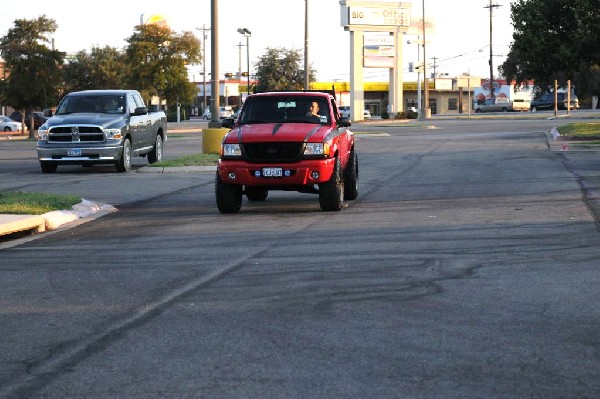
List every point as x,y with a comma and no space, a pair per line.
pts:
51,222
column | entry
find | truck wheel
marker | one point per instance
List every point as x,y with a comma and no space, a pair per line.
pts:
351,178
256,193
48,167
504,109
477,110
155,155
331,193
7,129
229,196
124,163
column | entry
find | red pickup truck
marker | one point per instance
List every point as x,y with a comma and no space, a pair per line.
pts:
293,141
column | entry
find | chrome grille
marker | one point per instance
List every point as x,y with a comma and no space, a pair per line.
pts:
68,134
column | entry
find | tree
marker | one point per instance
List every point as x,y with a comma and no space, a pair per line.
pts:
34,75
101,68
156,59
555,40
281,69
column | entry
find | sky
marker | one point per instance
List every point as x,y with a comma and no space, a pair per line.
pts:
460,42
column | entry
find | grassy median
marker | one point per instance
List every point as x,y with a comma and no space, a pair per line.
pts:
588,131
19,203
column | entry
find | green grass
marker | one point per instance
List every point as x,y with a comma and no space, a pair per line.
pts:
199,159
19,203
583,130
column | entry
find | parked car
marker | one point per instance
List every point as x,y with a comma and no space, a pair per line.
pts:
345,112
8,125
224,112
546,101
38,119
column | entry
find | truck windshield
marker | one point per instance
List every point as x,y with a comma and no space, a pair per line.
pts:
285,109
96,104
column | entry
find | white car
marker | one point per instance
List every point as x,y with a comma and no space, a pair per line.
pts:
8,125
345,112
224,112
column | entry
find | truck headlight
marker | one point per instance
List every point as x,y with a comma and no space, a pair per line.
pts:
314,149
232,150
112,134
42,133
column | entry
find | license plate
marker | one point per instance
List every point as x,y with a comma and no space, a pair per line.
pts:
272,172
74,152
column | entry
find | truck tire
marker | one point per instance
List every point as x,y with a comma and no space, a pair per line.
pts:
155,155
229,196
123,164
256,193
331,193
48,166
351,178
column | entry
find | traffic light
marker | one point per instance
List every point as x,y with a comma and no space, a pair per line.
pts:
245,74
228,75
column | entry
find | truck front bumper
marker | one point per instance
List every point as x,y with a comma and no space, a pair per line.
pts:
85,154
306,172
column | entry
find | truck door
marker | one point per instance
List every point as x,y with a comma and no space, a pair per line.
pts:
139,124
344,136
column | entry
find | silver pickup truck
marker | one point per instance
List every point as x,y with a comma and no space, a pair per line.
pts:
502,104
101,127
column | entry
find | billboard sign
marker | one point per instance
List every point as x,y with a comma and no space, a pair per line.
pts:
385,16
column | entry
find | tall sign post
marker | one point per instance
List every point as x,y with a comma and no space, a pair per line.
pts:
371,26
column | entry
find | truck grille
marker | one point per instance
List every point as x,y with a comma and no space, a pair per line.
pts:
68,134
272,152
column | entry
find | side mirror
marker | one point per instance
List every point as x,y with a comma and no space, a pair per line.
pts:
345,122
47,113
140,111
228,123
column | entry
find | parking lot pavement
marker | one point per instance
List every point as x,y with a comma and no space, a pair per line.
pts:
581,159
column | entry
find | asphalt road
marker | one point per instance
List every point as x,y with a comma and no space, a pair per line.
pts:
467,268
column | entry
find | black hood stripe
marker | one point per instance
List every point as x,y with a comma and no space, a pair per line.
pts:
276,128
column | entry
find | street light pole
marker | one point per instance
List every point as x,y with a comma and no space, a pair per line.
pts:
246,33
204,38
214,66
426,113
306,68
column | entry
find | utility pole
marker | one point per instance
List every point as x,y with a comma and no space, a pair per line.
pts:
434,66
239,46
491,7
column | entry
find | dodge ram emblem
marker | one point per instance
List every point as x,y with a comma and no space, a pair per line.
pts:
75,133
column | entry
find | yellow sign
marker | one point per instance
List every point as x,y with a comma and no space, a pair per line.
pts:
154,19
